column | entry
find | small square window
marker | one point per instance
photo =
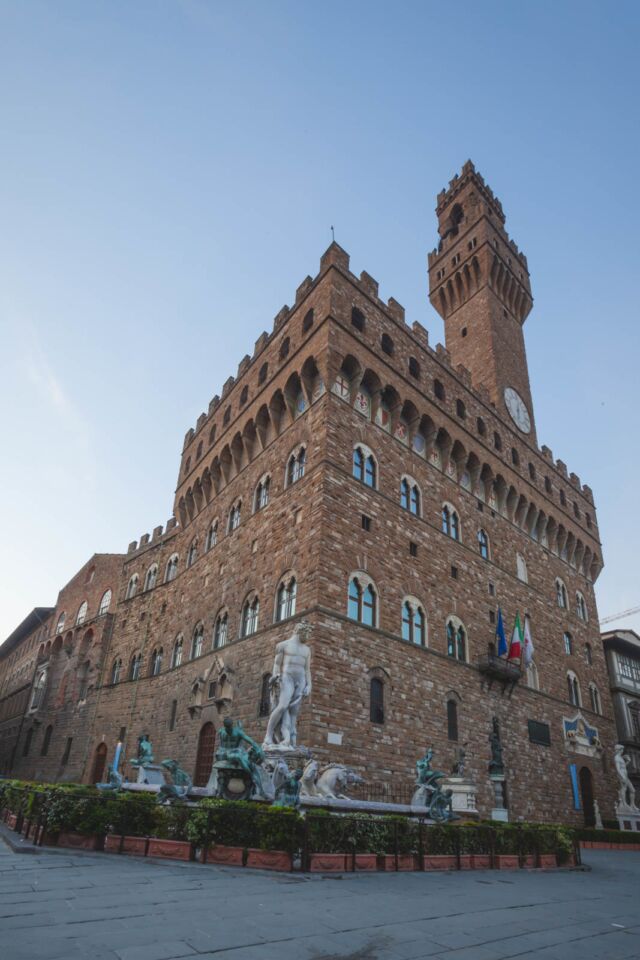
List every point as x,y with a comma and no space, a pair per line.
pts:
492,590
366,522
413,548
454,573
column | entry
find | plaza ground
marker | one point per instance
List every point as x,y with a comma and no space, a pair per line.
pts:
76,906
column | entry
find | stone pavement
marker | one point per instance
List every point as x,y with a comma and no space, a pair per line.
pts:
75,906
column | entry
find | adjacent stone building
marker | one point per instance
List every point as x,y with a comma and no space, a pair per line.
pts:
622,650
392,494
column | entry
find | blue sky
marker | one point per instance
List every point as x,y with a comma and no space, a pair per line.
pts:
169,173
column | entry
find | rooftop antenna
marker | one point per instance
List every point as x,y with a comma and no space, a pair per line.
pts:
333,235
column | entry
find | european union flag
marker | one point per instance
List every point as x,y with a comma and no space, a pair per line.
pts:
503,646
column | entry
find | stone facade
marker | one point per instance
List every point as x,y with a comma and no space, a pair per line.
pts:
342,370
622,650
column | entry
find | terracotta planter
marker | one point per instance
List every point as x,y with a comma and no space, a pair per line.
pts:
366,861
406,861
170,849
233,856
507,861
77,841
548,860
481,861
269,859
328,862
466,861
529,861
439,862
134,846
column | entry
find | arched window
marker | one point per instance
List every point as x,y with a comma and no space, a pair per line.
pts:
594,694
192,553
438,390
220,631
307,323
264,371
450,522
204,755
588,654
132,587
116,671
284,348
410,496
515,457
296,465
156,662
39,690
581,607
105,603
82,613
60,623
364,466
568,643
414,622
414,368
456,639
531,676
376,700
176,653
357,319
561,594
47,740
212,434
521,568
234,516
151,577
286,599
250,613
452,720
261,498
483,544
172,568
387,344
212,536
264,708
135,666
461,409
574,689
362,603
197,641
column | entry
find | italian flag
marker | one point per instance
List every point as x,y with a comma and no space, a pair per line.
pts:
515,647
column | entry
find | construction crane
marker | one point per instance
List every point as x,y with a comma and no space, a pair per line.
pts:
619,616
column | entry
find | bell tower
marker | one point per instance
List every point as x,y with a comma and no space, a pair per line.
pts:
479,284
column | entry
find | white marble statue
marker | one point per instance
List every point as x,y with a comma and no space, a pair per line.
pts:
290,682
330,783
626,790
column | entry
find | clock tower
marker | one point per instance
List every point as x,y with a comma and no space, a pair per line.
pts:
479,284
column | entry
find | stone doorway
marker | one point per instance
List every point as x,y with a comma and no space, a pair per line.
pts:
586,793
99,763
204,757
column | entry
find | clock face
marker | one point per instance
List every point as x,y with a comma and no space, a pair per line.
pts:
517,409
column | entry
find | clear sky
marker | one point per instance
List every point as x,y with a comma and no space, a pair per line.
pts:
169,173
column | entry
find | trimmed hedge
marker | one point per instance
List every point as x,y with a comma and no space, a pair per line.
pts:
609,836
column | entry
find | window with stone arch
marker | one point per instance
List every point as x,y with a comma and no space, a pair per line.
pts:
135,666
377,696
151,577
453,699
561,594
450,521
414,622
39,688
588,654
594,696
60,623
362,603
521,568
456,639
261,496
176,653
296,465
132,587
286,597
116,670
567,640
82,613
364,466
410,497
573,688
581,607
156,662
221,630
197,641
483,544
105,603
212,536
250,614
192,553
531,676
171,570
235,515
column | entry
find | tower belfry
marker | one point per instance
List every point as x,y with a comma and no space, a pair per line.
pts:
479,284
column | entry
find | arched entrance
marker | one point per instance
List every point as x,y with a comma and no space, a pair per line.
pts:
99,763
204,757
586,793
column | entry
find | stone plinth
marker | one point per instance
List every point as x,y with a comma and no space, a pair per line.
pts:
153,775
463,796
628,817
